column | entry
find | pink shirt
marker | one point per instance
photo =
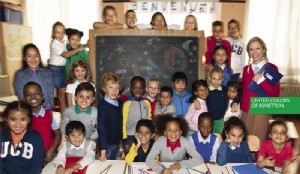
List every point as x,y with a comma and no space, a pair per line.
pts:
193,114
285,154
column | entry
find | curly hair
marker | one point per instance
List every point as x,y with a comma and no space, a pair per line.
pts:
82,64
161,122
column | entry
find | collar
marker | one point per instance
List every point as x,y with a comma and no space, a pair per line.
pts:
173,146
150,98
259,65
203,140
80,147
111,101
41,113
78,110
233,147
200,100
211,88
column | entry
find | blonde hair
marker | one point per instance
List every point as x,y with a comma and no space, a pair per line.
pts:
217,70
111,76
109,7
262,43
191,16
58,23
153,80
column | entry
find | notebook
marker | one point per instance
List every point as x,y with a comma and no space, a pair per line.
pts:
271,74
248,169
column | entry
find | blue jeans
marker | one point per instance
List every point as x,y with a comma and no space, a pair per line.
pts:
59,75
113,151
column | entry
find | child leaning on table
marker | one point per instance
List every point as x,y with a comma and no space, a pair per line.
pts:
77,152
173,146
145,132
234,148
205,142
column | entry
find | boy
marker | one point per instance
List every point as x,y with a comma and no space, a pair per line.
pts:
165,105
42,120
215,40
134,109
152,89
216,100
205,142
77,152
110,117
83,110
145,133
237,49
180,95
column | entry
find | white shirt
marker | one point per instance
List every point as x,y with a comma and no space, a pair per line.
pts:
237,55
215,148
259,66
56,48
229,113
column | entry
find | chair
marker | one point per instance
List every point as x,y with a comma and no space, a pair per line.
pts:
253,143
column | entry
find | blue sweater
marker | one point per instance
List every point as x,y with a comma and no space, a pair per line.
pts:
181,102
109,123
216,103
239,155
27,158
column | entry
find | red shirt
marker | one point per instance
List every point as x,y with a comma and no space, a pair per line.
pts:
285,154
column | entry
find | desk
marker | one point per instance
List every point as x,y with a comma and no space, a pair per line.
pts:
118,167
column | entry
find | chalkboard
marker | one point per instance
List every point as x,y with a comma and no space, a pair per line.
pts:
147,53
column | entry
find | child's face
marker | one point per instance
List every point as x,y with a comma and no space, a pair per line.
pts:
215,79
202,92
138,89
235,136
74,41
144,134
179,85
153,88
256,52
76,138
18,121
172,131
233,30
205,127
190,24
84,99
159,21
32,59
220,56
231,93
131,19
59,33
218,32
112,89
165,98
110,17
33,96
80,73
278,134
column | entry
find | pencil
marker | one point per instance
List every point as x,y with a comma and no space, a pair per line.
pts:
161,164
197,170
227,169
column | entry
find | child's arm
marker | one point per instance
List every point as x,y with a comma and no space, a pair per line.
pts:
102,25
102,132
60,159
197,105
68,54
213,157
265,161
189,115
154,152
56,142
89,158
195,159
133,152
125,117
69,99
222,153
65,120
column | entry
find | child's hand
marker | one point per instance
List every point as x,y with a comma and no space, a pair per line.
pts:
269,162
197,105
175,166
60,169
166,171
81,47
258,76
102,155
209,67
138,140
234,107
69,171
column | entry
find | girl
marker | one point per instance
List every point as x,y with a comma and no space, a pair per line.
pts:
172,147
109,17
221,60
58,58
190,23
200,89
206,142
235,147
257,51
79,73
237,49
21,148
34,71
145,133
74,37
158,21
275,151
234,91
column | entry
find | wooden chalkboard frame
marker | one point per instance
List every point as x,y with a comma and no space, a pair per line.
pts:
120,32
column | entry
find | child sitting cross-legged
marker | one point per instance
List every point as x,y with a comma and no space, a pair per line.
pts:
205,142
144,136
77,152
